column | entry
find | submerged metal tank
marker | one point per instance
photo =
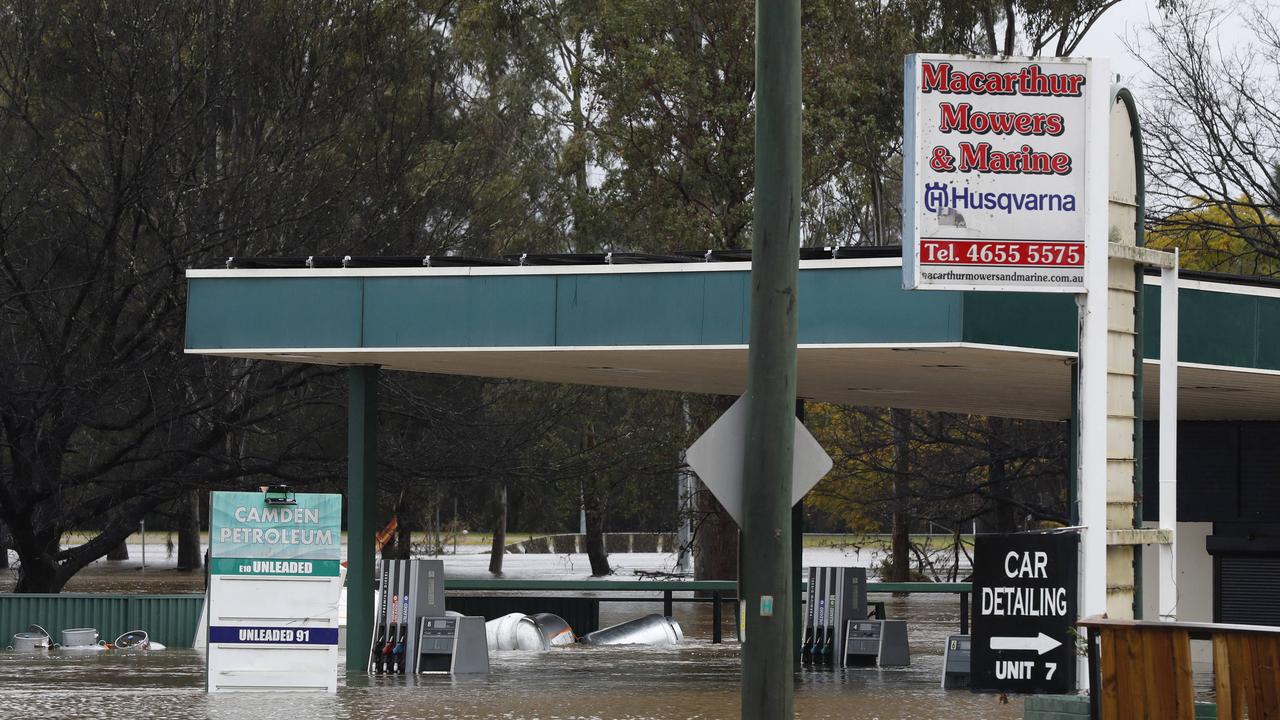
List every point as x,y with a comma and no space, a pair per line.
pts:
529,633
649,630
555,631
27,641
80,639
137,640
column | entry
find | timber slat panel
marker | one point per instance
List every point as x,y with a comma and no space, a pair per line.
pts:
1183,685
1110,677
1146,669
1266,677
1152,677
1230,695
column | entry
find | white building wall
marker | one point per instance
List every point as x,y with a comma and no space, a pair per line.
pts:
1195,582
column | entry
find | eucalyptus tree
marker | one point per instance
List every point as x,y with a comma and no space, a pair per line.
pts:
143,138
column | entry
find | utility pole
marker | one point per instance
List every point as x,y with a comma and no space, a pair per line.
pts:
767,679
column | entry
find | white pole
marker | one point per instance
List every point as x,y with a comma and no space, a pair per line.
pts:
143,524
1168,553
684,495
1093,353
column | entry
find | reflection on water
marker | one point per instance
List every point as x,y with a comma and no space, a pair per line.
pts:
697,680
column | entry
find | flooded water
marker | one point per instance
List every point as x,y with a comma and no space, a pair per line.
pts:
697,680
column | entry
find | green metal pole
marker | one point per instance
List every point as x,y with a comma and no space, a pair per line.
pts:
767,676
1073,449
362,503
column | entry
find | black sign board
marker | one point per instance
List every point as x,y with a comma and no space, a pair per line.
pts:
1024,613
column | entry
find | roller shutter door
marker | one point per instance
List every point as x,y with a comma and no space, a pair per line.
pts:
1248,589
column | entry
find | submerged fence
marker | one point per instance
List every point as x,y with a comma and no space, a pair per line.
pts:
168,619
172,619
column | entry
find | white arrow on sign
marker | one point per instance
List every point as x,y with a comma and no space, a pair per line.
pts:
1041,644
718,455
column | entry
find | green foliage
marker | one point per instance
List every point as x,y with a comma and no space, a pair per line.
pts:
1220,237
1007,474
143,137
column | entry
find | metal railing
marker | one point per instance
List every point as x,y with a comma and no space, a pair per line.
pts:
172,619
720,592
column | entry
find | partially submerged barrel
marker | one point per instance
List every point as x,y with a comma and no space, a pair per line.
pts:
652,629
27,641
555,631
134,640
529,633
79,638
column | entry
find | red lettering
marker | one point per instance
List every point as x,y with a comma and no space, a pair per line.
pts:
1030,80
934,77
1002,123
981,158
962,118
954,117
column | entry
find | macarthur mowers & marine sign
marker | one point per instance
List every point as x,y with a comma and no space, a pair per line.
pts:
994,173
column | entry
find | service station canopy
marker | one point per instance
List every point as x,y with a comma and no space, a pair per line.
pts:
683,326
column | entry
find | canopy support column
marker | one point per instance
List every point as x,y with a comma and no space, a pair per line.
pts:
362,504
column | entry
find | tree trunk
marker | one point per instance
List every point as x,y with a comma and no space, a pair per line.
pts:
404,537
39,571
4,547
1006,512
499,547
716,540
715,533
189,556
901,548
119,552
597,553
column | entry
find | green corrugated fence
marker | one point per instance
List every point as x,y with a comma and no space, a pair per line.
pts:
172,619
168,619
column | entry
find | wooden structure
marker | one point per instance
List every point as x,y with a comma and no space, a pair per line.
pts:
1143,669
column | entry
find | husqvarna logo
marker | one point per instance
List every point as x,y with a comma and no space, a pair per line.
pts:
939,197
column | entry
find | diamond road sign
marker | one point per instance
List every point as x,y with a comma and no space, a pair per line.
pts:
717,457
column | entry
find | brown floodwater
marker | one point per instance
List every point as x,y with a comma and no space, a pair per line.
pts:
696,680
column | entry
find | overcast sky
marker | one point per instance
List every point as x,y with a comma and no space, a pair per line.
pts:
1106,39
1129,20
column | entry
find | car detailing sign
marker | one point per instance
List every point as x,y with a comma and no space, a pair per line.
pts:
1024,613
275,583
994,173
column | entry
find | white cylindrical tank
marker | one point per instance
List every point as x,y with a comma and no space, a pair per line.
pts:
649,630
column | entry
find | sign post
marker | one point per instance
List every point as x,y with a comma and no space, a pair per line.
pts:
1024,613
275,581
1005,188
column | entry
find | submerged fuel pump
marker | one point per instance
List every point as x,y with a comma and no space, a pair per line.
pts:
411,612
835,596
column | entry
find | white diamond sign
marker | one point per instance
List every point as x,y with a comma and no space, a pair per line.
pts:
717,457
